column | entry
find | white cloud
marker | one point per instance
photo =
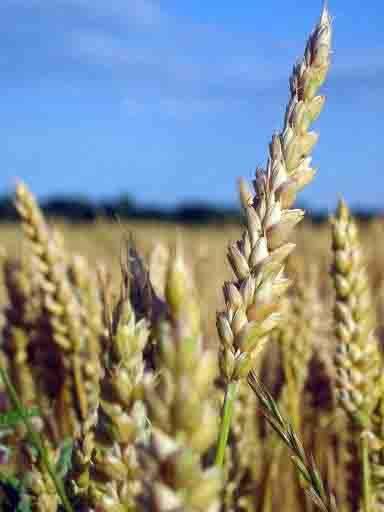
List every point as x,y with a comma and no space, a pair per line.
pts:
180,108
144,12
138,46
141,12
170,56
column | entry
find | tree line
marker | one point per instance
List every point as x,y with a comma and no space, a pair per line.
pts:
81,209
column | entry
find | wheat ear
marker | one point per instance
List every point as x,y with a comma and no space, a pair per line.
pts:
181,407
122,417
358,360
253,306
79,392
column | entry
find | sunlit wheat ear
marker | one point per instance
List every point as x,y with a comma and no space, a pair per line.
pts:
358,360
357,357
79,393
253,299
122,418
181,406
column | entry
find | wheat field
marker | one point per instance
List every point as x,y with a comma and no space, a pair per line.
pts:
303,351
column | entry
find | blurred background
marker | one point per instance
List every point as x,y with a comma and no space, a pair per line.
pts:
151,105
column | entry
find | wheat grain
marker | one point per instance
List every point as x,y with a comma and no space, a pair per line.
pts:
181,407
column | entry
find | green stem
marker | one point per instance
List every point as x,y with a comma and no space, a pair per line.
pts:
226,418
36,440
366,477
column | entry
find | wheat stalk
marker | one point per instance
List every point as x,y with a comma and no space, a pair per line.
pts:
306,466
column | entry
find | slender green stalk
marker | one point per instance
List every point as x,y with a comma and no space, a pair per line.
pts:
226,419
366,474
36,440
305,465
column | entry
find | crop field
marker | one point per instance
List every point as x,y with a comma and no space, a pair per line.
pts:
204,248
235,368
297,365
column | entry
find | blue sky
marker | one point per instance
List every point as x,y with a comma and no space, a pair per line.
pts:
174,100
